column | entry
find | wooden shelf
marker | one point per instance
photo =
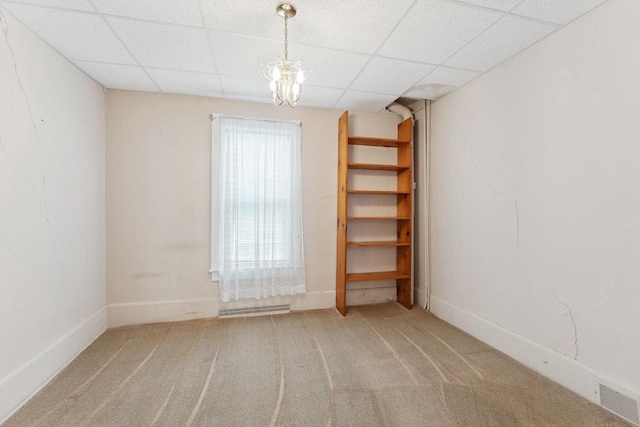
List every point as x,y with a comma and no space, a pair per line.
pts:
402,215
378,218
377,192
378,275
378,244
377,142
372,167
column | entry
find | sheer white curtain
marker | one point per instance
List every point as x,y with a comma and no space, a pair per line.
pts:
260,248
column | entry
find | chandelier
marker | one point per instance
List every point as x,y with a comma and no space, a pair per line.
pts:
286,77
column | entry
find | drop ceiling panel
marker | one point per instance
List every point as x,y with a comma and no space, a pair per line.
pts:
76,35
354,25
176,12
329,68
347,24
186,82
254,52
446,76
503,5
559,12
500,42
436,29
321,97
125,77
390,76
245,88
364,101
449,76
63,4
256,18
165,46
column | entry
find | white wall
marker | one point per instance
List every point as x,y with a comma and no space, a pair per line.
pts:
52,220
536,203
158,204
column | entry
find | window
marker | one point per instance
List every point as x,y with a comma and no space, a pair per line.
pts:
257,245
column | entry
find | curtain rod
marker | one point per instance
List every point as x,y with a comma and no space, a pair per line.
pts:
216,115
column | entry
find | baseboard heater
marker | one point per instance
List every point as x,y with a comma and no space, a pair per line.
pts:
619,404
255,311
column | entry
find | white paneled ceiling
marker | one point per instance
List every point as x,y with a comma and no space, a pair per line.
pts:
116,76
188,82
363,54
502,40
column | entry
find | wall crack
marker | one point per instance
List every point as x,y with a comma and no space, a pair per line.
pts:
43,201
604,99
15,254
573,323
20,168
515,207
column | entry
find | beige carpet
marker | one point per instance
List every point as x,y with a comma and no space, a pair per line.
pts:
380,366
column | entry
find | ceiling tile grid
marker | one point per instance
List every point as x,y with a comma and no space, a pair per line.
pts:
255,18
555,11
184,12
315,96
328,68
114,76
503,5
500,42
190,83
62,4
441,76
354,25
436,29
165,46
449,76
254,53
364,101
362,54
390,76
246,88
75,35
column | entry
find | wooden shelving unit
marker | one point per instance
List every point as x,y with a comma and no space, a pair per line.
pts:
403,193
372,167
378,218
377,244
376,192
378,275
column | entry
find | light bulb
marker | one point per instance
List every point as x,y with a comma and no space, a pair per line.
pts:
273,85
295,89
276,73
300,77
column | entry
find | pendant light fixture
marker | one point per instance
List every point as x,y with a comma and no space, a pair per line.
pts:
286,77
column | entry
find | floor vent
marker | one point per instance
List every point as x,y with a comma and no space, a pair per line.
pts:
255,311
619,404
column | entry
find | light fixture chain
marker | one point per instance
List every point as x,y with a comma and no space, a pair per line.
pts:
286,37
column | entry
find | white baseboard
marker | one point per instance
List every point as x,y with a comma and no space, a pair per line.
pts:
373,295
575,376
20,385
136,313
177,310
